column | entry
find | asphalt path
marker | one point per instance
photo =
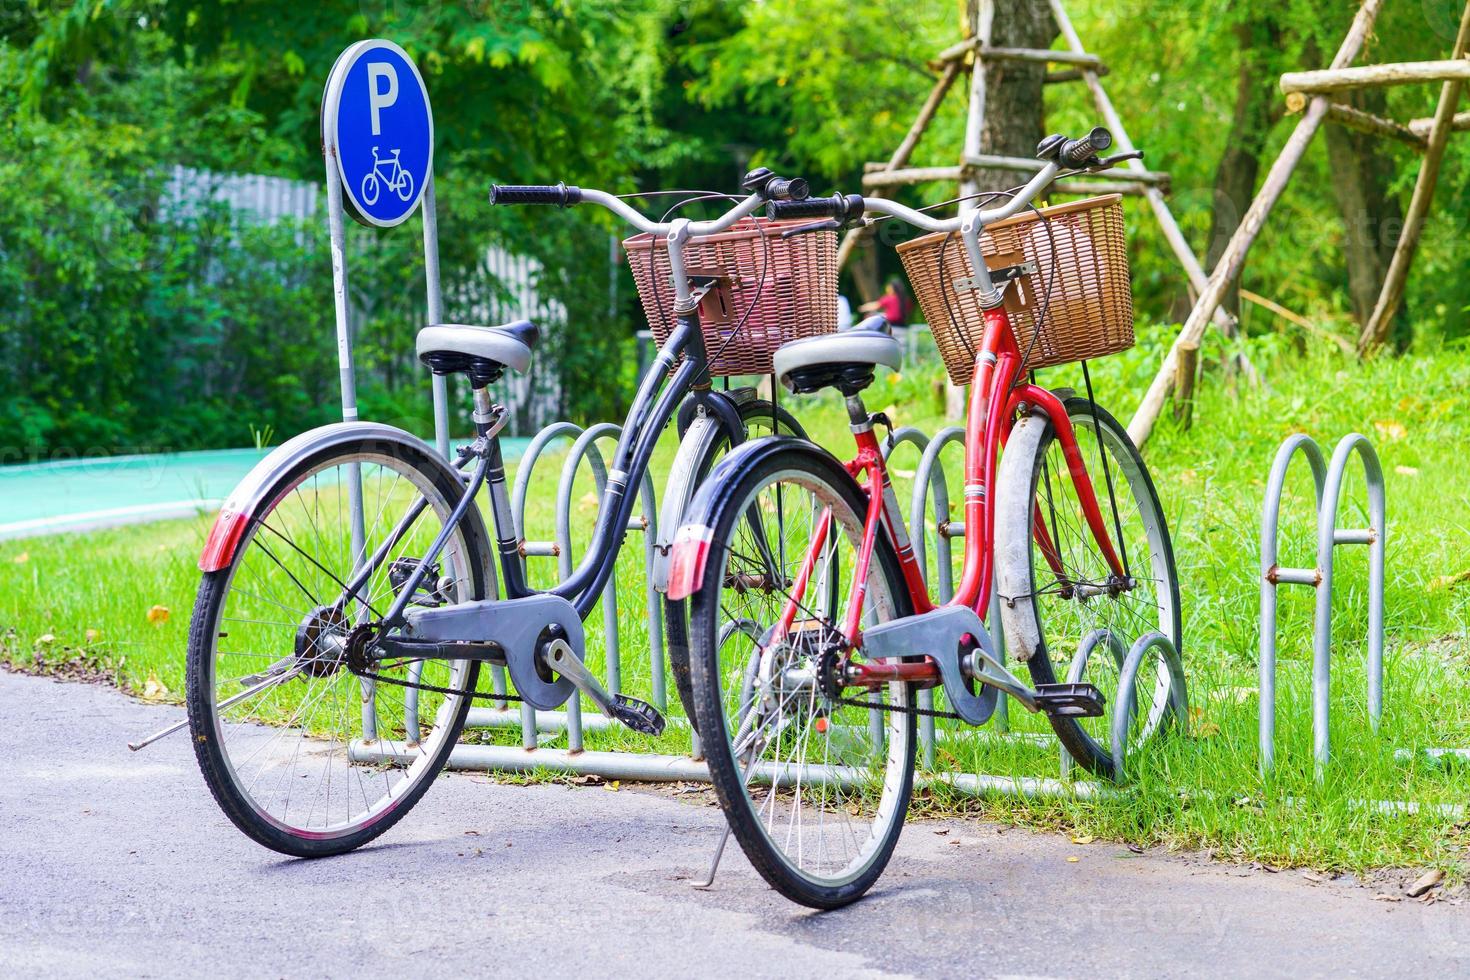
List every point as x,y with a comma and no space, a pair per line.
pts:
119,864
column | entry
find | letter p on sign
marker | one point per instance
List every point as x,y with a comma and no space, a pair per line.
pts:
381,96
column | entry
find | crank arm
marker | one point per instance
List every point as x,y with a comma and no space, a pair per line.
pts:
559,657
637,715
982,667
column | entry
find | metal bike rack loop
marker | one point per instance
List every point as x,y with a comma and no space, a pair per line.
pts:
533,723
1327,484
929,513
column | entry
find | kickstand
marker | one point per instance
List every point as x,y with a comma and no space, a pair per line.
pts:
714,865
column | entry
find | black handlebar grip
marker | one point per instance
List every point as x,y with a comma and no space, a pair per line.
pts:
837,206
560,194
1080,152
784,189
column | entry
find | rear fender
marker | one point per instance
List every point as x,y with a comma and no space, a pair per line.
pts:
691,545
250,496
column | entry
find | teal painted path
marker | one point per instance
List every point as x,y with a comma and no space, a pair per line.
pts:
78,495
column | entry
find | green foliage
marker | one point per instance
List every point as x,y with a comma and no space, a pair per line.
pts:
123,326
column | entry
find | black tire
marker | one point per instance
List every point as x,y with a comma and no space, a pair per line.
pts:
797,466
208,729
676,611
1023,486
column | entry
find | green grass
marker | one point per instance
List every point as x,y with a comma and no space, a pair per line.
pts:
1201,791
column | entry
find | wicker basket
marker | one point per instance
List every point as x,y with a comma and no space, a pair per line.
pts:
1084,258
792,284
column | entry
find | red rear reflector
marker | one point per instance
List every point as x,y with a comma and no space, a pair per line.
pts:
686,560
224,538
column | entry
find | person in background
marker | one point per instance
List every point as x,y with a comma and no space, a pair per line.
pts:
895,304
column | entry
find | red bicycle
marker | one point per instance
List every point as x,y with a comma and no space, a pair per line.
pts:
812,628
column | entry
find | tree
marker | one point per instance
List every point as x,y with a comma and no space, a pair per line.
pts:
1014,104
1257,107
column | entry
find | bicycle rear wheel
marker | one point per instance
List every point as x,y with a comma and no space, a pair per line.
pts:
1049,615
304,754
815,787
760,418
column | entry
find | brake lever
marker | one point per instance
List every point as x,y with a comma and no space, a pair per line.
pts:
1116,159
831,224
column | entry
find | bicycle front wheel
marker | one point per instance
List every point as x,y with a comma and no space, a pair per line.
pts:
305,753
1058,593
814,779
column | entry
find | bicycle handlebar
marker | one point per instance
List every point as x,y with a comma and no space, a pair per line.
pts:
1059,152
843,207
1082,152
771,188
560,194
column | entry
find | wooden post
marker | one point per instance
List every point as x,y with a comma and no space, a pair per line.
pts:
1421,127
981,15
1172,233
1188,365
1366,76
1228,268
906,148
1351,117
1376,330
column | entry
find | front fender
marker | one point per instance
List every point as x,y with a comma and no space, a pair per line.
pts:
691,544
250,496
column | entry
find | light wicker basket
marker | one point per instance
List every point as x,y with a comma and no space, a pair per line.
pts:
792,284
1084,258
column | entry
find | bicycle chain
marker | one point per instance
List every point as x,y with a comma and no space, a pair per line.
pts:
909,710
482,695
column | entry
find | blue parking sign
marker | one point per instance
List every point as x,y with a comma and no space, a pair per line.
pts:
377,124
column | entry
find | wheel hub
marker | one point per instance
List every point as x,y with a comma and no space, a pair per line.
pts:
320,647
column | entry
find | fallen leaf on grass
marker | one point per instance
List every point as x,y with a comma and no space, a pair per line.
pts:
45,639
1389,429
1083,839
153,688
158,614
93,636
587,501
1449,581
1236,695
22,558
1403,470
1429,879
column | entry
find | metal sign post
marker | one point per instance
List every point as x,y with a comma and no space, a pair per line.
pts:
378,145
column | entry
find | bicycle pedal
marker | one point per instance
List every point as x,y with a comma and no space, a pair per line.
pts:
638,715
1071,700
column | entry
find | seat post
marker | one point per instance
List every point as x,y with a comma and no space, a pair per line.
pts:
485,414
857,413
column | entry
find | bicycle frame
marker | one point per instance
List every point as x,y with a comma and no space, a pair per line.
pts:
659,395
998,395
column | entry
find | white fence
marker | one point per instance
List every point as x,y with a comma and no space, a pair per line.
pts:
503,290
